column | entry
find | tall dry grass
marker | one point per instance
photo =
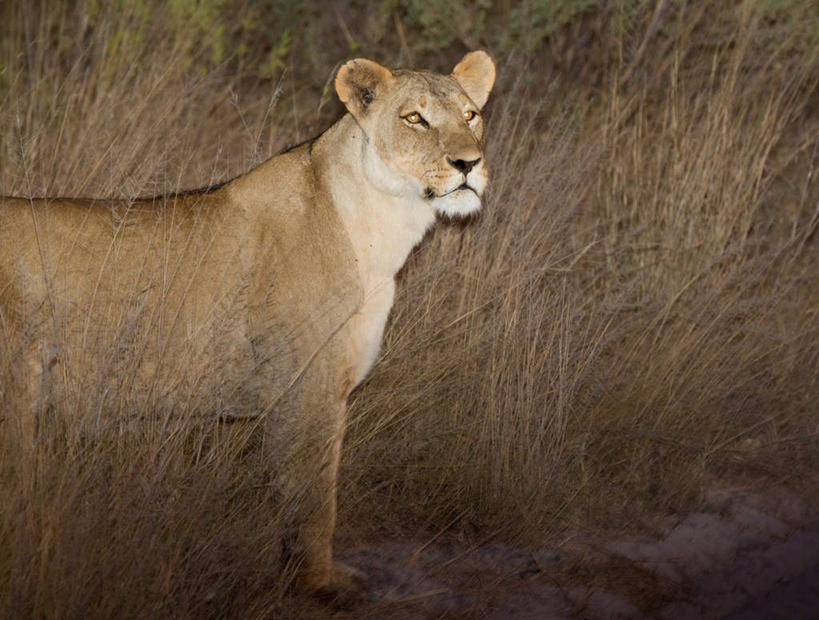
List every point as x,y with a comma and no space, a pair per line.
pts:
633,315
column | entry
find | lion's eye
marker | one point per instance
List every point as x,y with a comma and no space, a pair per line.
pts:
413,118
469,115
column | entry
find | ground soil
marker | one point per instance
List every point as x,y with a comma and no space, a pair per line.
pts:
743,555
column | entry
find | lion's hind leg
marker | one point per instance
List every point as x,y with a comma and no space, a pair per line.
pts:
39,359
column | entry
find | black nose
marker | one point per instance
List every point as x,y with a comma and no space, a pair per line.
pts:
462,165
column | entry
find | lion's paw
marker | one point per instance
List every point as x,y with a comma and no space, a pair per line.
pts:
343,586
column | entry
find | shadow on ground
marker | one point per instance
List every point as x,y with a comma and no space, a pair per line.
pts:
744,555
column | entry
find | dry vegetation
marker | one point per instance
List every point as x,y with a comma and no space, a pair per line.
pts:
633,316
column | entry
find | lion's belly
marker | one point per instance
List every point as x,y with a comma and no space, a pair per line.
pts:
367,328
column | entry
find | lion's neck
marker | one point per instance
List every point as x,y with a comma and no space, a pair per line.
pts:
384,223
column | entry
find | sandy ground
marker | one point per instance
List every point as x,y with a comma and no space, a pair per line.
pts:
745,555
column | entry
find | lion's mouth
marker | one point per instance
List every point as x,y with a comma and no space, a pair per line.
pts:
429,194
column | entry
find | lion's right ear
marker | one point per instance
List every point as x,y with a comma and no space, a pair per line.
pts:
359,82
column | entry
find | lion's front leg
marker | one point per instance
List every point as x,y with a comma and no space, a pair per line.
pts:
310,490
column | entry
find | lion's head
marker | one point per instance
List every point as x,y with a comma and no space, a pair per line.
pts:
424,130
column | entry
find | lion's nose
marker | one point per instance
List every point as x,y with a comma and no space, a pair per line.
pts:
463,165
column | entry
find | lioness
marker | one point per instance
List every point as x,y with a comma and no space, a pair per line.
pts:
266,296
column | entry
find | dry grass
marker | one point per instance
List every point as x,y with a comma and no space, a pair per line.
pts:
630,318
633,315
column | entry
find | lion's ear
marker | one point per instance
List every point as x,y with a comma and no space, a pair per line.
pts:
359,82
476,75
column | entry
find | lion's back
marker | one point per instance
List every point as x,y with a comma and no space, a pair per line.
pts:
196,295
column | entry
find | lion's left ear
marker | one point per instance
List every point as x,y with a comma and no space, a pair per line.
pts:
359,82
476,75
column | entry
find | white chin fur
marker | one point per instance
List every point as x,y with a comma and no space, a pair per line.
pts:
458,203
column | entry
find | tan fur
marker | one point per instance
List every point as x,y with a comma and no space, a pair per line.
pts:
265,297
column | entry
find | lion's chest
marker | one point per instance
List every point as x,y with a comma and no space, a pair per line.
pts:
366,328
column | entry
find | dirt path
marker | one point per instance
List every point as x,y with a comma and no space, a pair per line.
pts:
744,556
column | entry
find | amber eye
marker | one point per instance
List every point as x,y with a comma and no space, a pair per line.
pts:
413,118
469,115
